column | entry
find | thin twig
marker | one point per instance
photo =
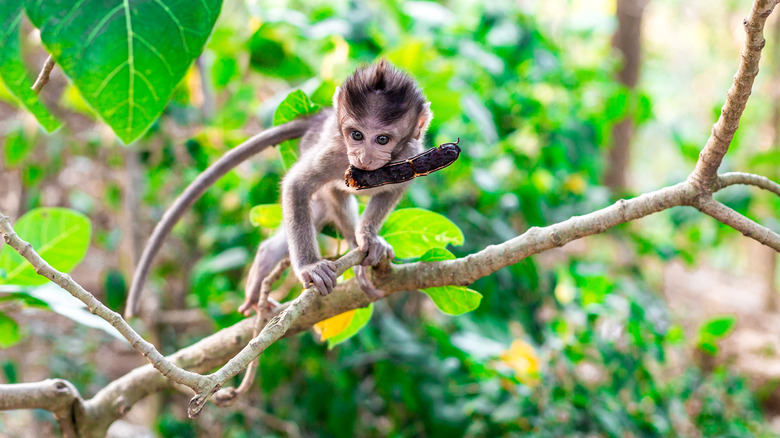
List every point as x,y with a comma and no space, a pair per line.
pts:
43,76
228,396
25,249
731,178
275,329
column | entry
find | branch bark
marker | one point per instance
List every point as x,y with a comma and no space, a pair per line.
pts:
732,178
739,222
44,75
57,396
703,176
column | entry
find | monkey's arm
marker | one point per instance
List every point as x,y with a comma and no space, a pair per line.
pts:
195,190
374,215
298,186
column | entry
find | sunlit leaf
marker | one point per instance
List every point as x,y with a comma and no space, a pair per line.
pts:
125,56
295,105
65,304
522,359
9,331
413,231
359,320
266,216
334,325
61,236
454,300
13,72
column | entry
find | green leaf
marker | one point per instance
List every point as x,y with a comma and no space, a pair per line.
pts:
359,320
436,255
125,56
712,331
17,146
65,304
61,236
12,69
454,300
272,54
413,231
9,331
718,327
296,104
266,216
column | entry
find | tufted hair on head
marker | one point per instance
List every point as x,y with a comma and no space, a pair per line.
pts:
382,92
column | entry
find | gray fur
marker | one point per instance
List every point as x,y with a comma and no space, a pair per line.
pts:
314,190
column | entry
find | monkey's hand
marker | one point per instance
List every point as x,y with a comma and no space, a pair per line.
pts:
321,274
375,247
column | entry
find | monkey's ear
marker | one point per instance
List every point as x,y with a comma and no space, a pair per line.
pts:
336,99
426,115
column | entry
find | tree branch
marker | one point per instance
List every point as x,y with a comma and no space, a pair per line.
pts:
704,175
275,329
43,76
26,250
739,222
57,396
732,178
228,396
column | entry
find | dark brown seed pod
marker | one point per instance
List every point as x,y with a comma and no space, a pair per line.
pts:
399,171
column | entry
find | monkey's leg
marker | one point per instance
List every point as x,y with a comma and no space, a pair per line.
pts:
343,209
269,254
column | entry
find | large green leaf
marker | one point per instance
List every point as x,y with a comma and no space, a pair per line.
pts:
296,104
52,297
413,231
125,56
12,69
59,235
454,300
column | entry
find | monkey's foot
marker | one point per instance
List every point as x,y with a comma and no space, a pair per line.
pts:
365,284
321,274
250,304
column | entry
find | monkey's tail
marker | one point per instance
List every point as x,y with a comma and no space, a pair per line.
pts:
195,190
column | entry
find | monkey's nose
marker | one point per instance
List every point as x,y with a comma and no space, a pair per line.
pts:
366,165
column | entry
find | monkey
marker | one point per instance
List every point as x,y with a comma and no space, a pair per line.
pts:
379,115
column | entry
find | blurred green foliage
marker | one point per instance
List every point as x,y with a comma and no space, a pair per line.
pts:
534,117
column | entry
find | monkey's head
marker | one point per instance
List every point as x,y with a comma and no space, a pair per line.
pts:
379,108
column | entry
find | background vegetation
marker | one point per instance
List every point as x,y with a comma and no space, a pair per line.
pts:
578,342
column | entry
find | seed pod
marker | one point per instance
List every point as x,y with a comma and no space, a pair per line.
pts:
399,171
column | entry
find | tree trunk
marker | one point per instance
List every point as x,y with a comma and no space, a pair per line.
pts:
627,40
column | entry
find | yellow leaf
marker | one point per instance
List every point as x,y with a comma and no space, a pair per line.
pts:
522,358
575,183
333,326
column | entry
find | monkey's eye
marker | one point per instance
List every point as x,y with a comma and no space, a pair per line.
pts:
382,139
356,135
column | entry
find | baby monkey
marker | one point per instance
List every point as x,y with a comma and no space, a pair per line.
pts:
379,115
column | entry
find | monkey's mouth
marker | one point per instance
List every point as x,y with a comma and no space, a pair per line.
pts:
367,167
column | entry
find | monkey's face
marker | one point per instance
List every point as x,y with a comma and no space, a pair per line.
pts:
370,145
